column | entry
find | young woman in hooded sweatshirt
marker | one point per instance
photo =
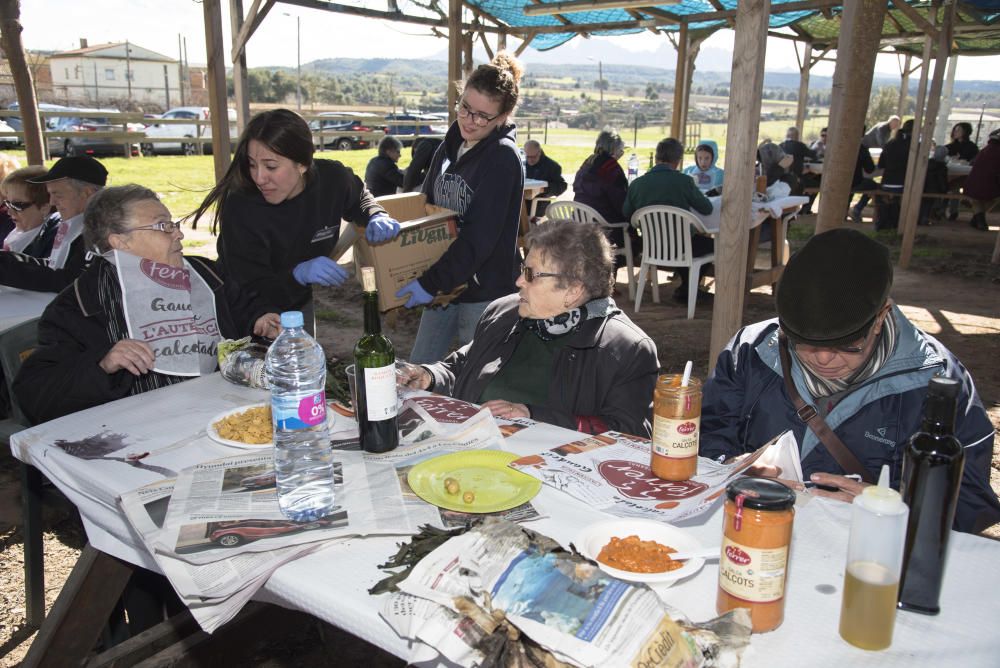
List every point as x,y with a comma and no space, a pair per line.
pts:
477,172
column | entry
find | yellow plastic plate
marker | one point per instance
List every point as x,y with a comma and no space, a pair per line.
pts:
482,472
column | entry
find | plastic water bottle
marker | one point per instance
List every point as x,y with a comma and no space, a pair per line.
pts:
633,167
303,459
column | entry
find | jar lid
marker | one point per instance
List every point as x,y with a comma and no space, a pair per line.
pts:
761,493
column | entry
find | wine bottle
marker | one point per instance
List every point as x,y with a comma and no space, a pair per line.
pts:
375,366
932,473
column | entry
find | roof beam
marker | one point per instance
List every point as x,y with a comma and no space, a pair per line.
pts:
255,16
919,21
801,6
665,17
718,6
390,16
570,6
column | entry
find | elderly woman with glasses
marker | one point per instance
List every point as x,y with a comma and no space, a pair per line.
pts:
846,372
35,220
560,351
477,172
140,316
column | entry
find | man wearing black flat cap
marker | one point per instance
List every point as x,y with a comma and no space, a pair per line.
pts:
847,373
71,183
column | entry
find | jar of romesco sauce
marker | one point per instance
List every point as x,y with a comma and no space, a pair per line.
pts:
756,534
676,425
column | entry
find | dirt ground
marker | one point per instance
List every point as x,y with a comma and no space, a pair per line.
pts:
950,291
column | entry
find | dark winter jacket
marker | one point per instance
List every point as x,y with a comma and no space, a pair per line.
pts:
486,187
983,182
62,375
19,270
603,378
601,184
260,243
799,152
41,245
382,176
963,150
745,405
550,171
864,165
893,160
422,153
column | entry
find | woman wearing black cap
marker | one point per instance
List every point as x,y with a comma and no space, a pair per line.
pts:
839,348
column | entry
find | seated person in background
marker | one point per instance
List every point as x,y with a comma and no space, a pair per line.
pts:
35,223
849,352
421,155
664,185
800,154
71,183
881,133
7,165
560,351
600,182
85,356
539,166
775,164
864,166
819,146
382,176
983,182
895,155
706,175
961,148
935,181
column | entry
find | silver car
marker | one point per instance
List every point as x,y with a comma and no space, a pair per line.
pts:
179,131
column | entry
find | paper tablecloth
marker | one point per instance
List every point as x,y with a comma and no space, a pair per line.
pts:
760,211
17,306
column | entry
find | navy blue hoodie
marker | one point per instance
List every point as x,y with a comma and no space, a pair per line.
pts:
486,187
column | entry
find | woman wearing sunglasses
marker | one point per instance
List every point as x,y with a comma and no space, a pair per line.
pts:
35,222
140,316
560,351
477,172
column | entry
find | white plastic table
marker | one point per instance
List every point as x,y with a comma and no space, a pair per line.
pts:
332,584
17,306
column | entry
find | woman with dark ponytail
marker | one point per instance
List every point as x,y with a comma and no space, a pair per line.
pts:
477,172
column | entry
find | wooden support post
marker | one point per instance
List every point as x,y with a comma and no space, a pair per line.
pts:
24,87
913,188
904,86
861,26
501,41
34,548
454,54
680,77
803,102
216,72
942,128
241,83
467,64
745,88
694,46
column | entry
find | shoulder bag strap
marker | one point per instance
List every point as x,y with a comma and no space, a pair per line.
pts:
808,414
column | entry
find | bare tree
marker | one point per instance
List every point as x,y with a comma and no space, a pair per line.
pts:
10,40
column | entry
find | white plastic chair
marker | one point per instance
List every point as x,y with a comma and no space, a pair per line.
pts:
581,213
666,242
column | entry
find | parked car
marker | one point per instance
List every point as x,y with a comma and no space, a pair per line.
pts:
232,533
347,130
179,130
423,124
87,120
8,142
15,121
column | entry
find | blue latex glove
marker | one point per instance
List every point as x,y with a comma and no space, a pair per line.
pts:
418,296
381,227
319,271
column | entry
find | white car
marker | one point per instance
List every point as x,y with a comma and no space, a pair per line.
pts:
11,141
178,131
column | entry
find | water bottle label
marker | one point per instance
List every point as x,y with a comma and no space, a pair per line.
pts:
380,392
299,412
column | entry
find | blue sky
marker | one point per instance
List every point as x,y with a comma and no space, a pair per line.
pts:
155,24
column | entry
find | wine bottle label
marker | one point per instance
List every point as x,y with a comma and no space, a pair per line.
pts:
298,411
752,574
380,392
676,438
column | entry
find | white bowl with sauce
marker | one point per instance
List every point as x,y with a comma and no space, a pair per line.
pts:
590,541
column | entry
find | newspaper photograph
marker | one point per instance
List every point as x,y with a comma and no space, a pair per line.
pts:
610,472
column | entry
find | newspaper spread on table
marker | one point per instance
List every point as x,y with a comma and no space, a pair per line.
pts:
610,472
570,607
217,532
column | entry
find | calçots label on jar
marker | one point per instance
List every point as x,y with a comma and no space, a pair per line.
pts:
752,574
299,412
676,438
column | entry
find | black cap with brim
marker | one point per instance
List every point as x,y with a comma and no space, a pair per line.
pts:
833,288
82,168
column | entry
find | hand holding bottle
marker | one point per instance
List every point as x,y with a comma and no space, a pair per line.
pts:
414,376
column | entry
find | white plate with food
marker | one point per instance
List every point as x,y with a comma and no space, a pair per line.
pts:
249,427
639,544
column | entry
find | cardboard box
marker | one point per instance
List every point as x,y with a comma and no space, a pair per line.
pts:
426,232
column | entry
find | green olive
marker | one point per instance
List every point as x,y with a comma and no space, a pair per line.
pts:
451,486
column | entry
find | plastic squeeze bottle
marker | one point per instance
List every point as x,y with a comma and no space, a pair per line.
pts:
874,558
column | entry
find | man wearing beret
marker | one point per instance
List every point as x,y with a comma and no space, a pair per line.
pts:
71,183
840,350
